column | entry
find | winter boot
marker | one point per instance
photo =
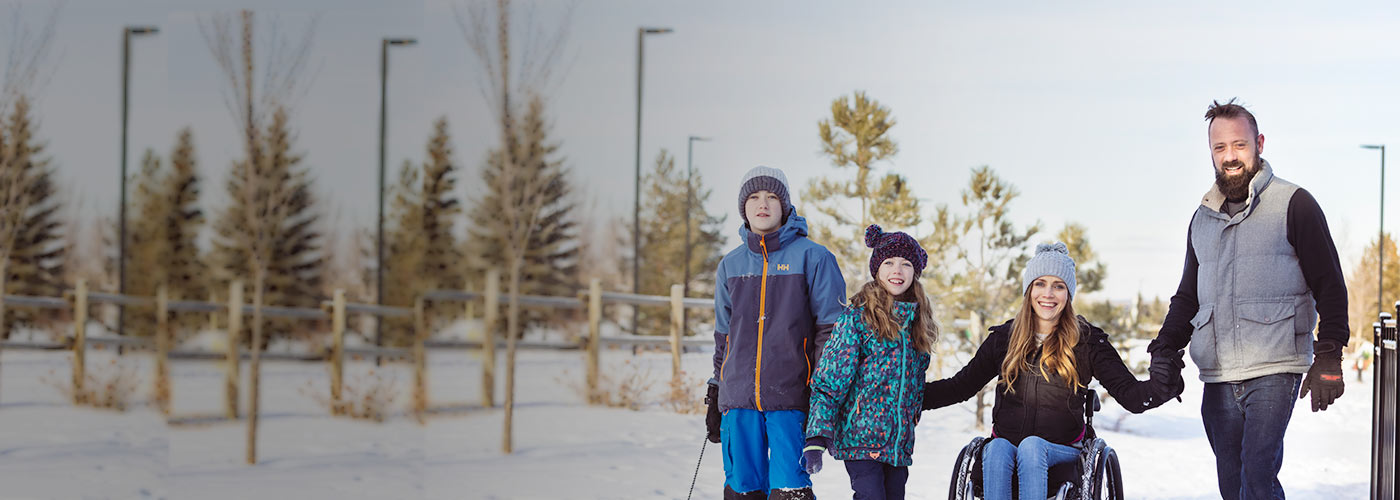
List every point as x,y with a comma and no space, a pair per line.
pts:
730,494
797,494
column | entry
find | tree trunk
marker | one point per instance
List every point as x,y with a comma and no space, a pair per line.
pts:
512,330
254,370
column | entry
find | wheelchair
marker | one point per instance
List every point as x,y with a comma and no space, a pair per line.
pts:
1096,475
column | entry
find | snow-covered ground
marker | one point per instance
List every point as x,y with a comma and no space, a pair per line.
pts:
563,448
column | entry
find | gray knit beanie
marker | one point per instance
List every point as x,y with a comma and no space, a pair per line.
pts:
1050,260
763,178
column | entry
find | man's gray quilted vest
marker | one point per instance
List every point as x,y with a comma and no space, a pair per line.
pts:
1256,312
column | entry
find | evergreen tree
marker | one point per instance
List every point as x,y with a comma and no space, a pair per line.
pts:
267,235
1089,270
551,249
986,254
1361,288
31,243
421,253
164,226
663,240
856,136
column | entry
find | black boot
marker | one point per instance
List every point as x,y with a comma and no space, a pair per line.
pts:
730,494
797,494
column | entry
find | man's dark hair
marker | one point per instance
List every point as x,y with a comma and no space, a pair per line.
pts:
1230,110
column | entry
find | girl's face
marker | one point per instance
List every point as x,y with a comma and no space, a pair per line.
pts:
896,274
1049,296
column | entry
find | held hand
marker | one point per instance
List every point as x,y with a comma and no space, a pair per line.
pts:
712,417
1166,374
1324,378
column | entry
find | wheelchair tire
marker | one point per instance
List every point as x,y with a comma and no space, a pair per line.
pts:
1106,469
960,486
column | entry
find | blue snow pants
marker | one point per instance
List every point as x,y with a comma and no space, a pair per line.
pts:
761,449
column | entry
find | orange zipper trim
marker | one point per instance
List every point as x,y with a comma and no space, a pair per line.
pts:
808,360
727,344
762,298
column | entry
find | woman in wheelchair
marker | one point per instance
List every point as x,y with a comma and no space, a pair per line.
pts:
1042,358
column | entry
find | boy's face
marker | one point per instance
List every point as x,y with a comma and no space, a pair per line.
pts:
764,210
896,274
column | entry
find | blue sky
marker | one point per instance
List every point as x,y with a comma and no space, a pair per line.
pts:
1092,109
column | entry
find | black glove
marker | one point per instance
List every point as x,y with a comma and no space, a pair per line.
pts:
1165,374
811,460
1324,379
712,413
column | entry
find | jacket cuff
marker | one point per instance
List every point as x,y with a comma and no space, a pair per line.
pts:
818,441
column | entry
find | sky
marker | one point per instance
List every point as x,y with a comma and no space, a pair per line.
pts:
1093,110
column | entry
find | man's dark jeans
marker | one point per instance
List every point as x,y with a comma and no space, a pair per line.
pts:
1245,422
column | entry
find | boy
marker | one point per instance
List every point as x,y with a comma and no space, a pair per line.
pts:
777,297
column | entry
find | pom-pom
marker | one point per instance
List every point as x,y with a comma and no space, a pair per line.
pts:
1058,247
872,235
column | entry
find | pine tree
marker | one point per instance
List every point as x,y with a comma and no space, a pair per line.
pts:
856,136
663,240
986,255
551,249
31,243
1361,288
165,225
1090,272
421,252
267,235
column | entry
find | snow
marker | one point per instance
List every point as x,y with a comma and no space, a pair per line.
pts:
562,448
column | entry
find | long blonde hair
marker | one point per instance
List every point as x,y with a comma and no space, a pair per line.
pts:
1057,350
879,314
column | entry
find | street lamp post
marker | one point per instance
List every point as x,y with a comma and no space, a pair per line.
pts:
1380,241
379,232
127,32
637,186
685,280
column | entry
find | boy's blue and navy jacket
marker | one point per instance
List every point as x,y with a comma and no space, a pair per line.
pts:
868,391
777,297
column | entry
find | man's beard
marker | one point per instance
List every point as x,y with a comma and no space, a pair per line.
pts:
1236,187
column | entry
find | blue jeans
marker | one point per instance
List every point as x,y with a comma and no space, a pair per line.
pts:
1245,422
761,449
1030,462
871,480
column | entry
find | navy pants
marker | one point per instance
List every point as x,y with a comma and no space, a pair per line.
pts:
1245,422
873,480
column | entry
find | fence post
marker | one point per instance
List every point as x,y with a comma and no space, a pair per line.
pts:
488,338
677,324
595,317
163,349
420,368
337,350
235,333
1383,422
80,316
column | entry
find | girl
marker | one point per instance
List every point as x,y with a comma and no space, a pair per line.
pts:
1042,358
866,392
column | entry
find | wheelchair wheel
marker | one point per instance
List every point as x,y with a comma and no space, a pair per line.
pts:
1105,470
960,485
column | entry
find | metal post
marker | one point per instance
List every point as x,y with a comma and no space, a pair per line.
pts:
637,184
379,228
637,189
121,210
379,231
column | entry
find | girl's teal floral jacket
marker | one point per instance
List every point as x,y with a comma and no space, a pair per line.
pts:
867,391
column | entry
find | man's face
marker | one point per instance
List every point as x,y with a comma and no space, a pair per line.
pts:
764,211
1235,151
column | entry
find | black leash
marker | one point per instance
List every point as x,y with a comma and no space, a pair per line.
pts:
697,468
